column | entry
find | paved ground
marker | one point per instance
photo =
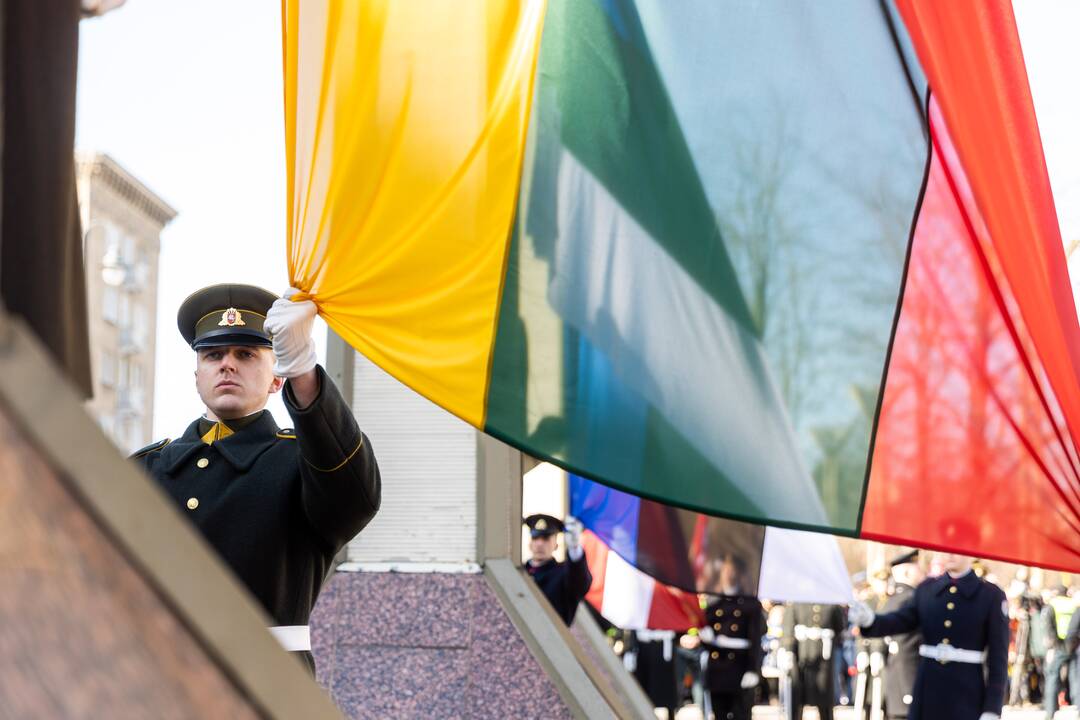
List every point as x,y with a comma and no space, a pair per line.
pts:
772,713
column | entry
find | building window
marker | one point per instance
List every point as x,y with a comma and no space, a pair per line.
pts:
138,323
108,369
123,373
135,375
124,319
110,304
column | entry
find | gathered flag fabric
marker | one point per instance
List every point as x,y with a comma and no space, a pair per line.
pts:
796,267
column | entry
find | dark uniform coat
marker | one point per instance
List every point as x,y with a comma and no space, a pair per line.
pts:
903,659
814,675
276,505
742,618
870,647
967,613
738,617
564,584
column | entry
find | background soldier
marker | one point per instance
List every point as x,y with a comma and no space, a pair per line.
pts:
564,584
732,639
1061,656
277,505
964,622
812,635
903,649
870,655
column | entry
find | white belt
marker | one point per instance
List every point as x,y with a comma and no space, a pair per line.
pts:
948,653
813,632
293,638
807,632
731,643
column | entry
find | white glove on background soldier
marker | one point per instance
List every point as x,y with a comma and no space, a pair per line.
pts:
877,663
707,635
785,660
860,614
749,680
989,716
572,529
290,324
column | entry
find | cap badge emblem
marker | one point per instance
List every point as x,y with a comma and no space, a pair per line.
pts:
541,524
231,318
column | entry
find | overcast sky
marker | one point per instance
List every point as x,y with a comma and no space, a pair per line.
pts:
187,96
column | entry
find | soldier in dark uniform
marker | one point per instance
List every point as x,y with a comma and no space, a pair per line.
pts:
732,639
277,505
870,655
564,584
903,649
964,622
812,635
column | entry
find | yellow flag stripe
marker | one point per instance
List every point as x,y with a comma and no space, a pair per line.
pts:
405,132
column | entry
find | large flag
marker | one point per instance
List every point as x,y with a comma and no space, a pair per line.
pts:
792,266
685,550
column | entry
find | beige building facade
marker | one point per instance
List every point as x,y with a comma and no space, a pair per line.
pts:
122,222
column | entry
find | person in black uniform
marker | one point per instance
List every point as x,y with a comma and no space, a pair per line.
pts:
903,649
277,505
964,622
870,654
564,584
732,639
812,634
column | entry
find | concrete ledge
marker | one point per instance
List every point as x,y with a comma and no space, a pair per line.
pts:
622,682
548,640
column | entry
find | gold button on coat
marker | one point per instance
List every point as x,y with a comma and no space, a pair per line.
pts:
715,655
944,641
192,503
738,613
952,589
203,462
717,626
948,623
950,606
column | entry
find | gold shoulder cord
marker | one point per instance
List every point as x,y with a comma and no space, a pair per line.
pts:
152,448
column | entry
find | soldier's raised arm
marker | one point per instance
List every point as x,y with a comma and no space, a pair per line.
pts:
341,487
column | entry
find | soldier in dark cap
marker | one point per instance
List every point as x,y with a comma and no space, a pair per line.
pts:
276,504
564,584
903,648
964,622
812,635
732,640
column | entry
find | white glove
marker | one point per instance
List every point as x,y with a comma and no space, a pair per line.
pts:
290,324
877,662
1050,655
707,635
860,614
989,716
749,680
862,660
572,530
785,660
